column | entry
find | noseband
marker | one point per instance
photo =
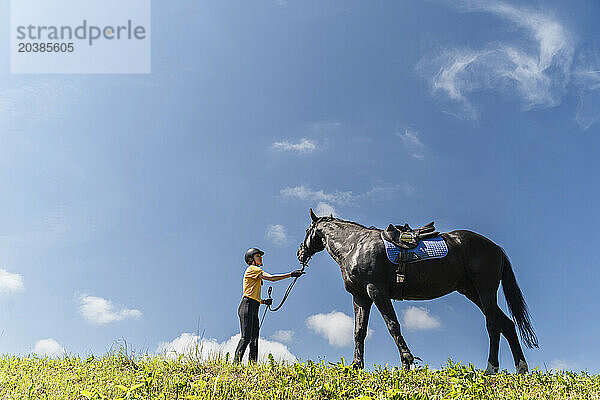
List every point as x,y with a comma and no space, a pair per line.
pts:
305,250
311,251
288,291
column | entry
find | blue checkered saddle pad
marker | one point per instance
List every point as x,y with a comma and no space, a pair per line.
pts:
426,249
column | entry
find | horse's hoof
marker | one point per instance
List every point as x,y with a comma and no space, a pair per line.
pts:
407,360
522,367
357,364
491,370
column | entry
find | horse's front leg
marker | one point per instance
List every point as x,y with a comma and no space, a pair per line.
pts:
362,308
384,305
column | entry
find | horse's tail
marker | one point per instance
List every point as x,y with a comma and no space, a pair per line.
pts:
516,304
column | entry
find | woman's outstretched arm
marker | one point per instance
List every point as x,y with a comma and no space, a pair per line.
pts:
274,278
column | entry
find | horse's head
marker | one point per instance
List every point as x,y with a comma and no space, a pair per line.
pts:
314,241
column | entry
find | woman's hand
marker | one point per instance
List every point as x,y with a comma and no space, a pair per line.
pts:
297,273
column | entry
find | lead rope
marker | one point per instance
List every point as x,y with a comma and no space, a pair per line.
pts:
285,296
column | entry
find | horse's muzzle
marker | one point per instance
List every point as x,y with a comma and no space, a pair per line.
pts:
302,255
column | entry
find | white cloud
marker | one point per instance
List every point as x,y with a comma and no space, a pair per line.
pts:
283,336
418,318
305,193
326,124
277,234
588,110
304,146
205,349
324,209
562,365
538,70
328,203
48,348
411,140
10,283
587,79
101,311
384,193
336,327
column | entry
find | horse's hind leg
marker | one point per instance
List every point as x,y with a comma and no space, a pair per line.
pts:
507,328
491,322
384,305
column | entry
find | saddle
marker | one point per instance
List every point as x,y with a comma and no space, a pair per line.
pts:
407,238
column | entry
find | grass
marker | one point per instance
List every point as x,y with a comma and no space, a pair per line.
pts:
119,375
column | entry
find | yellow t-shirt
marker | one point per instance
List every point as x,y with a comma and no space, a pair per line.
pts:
252,282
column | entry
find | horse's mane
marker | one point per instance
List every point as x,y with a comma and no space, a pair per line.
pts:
350,222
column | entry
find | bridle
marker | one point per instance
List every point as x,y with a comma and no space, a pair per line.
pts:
304,263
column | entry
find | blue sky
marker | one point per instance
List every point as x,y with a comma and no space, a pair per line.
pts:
128,201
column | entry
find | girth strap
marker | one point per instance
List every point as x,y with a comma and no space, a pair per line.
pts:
401,272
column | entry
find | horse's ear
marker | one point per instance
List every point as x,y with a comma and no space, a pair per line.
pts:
313,216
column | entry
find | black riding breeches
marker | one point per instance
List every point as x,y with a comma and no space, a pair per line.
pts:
248,312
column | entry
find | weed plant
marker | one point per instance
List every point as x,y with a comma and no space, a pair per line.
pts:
120,376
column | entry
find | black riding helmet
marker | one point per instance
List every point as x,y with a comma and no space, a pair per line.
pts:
249,257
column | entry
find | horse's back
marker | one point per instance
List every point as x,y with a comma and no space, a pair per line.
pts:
471,245
468,252
482,258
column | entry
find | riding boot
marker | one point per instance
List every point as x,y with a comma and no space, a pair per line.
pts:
240,350
253,356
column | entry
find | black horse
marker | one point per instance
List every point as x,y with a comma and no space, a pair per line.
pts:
474,266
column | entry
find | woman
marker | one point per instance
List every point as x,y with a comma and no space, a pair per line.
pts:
248,310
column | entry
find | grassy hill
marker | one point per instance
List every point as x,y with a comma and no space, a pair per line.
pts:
120,376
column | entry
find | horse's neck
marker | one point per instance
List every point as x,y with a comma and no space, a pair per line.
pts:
335,233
